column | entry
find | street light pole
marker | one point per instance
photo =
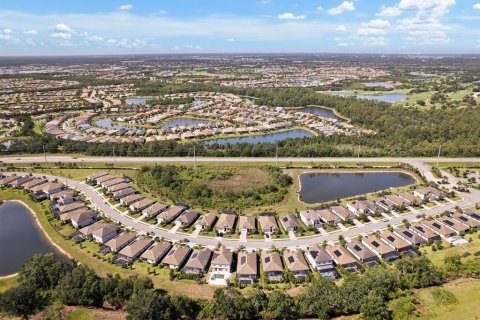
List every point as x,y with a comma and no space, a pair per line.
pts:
438,155
45,156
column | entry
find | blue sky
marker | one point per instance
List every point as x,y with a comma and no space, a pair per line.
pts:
31,27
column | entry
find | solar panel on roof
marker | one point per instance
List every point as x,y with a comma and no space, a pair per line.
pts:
243,260
392,239
357,247
267,259
337,253
291,259
375,244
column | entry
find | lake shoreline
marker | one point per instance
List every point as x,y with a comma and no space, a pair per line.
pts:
44,232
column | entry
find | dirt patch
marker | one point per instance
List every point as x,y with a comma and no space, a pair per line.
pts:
243,178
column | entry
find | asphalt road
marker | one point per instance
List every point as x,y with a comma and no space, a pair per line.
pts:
100,203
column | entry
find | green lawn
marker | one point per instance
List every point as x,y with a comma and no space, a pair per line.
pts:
437,257
6,283
467,291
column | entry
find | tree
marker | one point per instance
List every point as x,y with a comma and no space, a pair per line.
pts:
80,287
280,306
418,272
43,271
151,305
187,307
321,299
20,301
374,308
403,308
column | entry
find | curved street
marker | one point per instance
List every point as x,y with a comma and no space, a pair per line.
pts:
100,203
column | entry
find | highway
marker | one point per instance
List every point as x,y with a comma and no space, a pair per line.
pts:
101,205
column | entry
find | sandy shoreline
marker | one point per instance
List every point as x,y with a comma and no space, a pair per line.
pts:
60,249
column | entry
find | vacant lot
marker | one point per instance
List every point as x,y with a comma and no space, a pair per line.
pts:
243,177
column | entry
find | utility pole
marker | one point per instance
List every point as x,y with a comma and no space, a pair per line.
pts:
438,155
276,154
194,158
358,152
45,156
114,160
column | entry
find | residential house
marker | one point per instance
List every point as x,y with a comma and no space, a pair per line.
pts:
198,261
63,197
33,183
311,218
459,227
118,187
247,269
87,231
226,222
247,224
397,200
410,198
177,256
18,182
141,205
473,215
362,253
71,207
112,182
381,248
156,252
289,223
466,220
429,193
8,179
48,188
105,233
67,217
93,177
268,223
132,251
118,195
439,228
329,217
206,221
222,261
322,261
128,200
116,244
104,178
385,204
296,263
365,207
187,218
83,219
423,231
272,265
342,212
395,241
411,237
170,214
154,210
342,258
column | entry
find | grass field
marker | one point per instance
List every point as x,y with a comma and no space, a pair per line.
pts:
467,291
6,283
242,178
437,257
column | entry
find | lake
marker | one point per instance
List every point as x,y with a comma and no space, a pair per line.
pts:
184,122
388,97
20,237
137,100
263,138
324,112
319,187
386,85
107,123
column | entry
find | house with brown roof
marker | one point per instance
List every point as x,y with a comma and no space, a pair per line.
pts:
311,218
272,265
342,212
319,259
268,223
48,188
411,237
423,231
17,183
104,178
118,187
429,193
187,218
170,214
222,261
408,196
454,224
342,258
96,175
395,241
63,197
247,224
296,263
105,232
112,182
385,204
132,251
156,252
87,231
226,222
83,219
466,220
365,207
472,214
128,200
397,201
8,179
116,244
362,253
177,256
154,210
206,221
33,183
329,217
71,207
198,261
118,195
289,223
439,228
141,205
247,269
381,248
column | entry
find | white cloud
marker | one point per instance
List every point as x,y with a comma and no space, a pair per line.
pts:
341,28
370,32
476,6
62,27
290,16
32,32
389,11
319,8
61,35
30,42
95,38
231,40
377,23
125,7
7,31
344,6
